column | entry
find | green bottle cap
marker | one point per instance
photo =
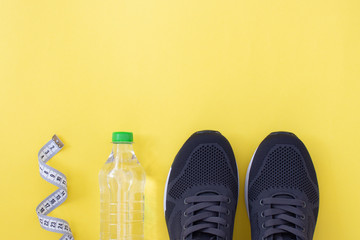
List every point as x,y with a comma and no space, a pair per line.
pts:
122,137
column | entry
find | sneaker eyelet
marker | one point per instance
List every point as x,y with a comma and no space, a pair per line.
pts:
185,202
302,217
263,226
227,225
303,230
228,212
185,214
228,200
262,202
304,204
262,214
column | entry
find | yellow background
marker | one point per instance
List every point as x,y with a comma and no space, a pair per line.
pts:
164,69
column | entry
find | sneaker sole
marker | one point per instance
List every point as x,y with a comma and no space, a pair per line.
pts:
247,184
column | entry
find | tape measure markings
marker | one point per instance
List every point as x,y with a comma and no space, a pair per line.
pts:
55,199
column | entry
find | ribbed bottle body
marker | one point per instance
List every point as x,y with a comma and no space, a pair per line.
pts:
122,185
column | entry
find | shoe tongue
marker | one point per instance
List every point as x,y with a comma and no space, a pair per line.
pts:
285,236
202,235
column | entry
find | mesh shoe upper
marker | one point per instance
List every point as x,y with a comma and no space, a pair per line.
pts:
204,171
282,169
204,161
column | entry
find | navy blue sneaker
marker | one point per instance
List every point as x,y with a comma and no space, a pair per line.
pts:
201,191
281,190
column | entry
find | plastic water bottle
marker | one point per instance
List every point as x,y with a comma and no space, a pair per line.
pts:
122,185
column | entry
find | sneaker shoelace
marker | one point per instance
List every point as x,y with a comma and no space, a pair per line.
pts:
284,217
204,215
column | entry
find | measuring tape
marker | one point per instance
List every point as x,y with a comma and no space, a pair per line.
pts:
55,199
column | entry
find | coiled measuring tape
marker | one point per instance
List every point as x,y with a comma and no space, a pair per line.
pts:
55,199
